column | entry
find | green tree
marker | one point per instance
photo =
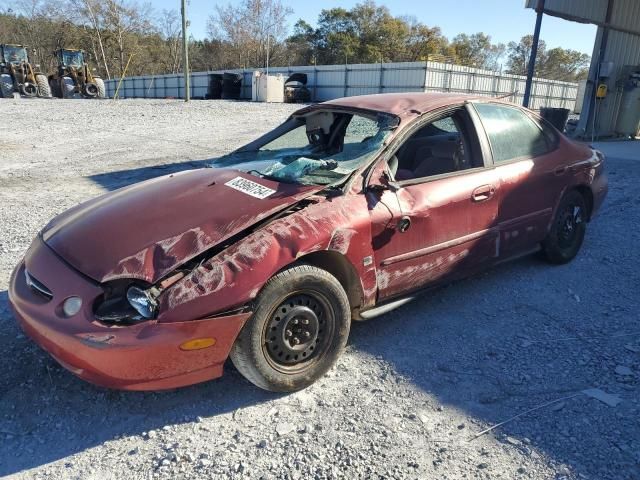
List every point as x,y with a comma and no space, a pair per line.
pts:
564,64
303,44
424,43
477,50
519,53
369,33
555,64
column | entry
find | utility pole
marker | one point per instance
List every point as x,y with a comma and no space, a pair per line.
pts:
185,52
534,53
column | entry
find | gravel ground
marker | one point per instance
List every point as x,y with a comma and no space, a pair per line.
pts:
414,387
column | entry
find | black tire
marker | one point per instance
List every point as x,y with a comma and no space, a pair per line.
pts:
54,86
6,86
297,332
43,86
568,229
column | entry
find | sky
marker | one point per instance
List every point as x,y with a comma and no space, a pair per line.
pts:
504,20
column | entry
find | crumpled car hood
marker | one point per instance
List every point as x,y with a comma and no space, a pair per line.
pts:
146,230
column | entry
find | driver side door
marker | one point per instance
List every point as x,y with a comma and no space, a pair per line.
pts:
437,219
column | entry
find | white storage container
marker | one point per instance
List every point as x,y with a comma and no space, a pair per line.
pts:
267,88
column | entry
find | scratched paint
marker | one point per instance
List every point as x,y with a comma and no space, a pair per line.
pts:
341,239
423,271
236,275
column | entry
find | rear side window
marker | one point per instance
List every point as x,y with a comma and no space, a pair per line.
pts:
359,129
512,133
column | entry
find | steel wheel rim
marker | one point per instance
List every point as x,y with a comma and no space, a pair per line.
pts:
305,316
569,225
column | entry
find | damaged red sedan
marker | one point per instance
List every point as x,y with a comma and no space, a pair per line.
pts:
343,212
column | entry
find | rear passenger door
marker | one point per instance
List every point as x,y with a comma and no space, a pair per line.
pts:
522,153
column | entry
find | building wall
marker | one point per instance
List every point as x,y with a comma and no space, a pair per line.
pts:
334,81
622,49
599,117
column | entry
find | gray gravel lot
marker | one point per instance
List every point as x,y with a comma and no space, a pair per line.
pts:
414,387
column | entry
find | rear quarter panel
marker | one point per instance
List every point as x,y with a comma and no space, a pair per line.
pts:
584,169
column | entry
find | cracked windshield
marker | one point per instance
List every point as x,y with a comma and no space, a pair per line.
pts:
319,148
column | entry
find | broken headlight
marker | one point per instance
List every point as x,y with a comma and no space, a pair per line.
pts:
125,303
143,301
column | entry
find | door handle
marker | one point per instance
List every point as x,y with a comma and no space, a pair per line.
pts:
561,170
485,192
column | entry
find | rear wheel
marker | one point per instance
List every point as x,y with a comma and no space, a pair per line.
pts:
568,229
297,332
102,91
43,86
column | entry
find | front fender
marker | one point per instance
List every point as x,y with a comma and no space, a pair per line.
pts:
235,276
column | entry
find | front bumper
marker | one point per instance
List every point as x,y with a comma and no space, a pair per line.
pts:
145,356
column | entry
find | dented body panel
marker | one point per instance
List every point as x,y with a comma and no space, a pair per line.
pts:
148,229
236,275
138,357
208,240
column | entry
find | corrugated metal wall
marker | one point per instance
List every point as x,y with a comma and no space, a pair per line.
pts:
623,49
592,11
625,14
335,81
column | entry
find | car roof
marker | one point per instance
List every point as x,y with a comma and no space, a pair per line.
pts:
404,104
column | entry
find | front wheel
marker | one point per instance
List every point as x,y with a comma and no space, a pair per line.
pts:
43,86
297,332
566,235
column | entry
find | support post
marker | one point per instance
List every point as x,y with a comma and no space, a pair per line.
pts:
534,53
185,52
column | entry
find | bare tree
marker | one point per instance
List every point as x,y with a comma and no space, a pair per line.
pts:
252,28
38,32
126,21
170,29
91,13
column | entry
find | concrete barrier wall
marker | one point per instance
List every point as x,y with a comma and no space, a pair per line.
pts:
327,82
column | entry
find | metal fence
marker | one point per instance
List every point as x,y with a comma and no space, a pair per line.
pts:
334,81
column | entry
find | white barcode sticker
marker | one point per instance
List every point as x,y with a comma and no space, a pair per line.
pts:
250,188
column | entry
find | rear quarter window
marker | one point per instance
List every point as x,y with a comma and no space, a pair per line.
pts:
512,134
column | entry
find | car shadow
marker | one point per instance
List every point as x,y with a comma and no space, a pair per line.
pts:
53,415
122,178
451,353
485,346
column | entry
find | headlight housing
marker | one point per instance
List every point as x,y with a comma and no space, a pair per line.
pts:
125,302
143,301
